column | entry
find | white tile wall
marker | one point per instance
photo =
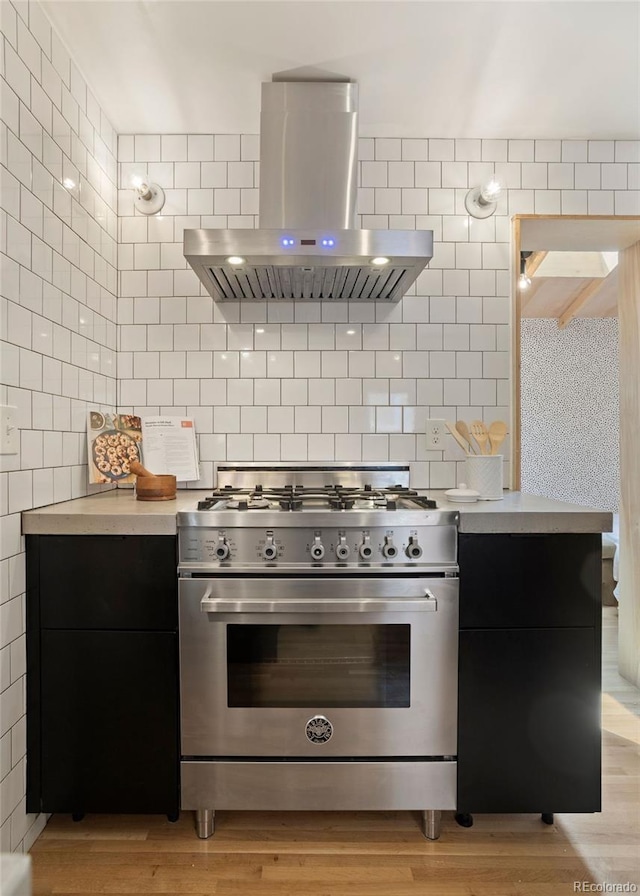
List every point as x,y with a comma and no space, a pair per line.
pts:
313,381
58,281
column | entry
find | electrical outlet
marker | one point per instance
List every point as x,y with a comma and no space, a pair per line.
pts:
435,434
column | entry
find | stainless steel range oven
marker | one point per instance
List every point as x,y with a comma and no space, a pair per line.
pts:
318,640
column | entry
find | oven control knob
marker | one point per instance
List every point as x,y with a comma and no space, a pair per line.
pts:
222,549
317,549
342,549
413,551
270,551
389,550
365,550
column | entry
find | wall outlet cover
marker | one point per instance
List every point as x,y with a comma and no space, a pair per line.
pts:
9,439
435,432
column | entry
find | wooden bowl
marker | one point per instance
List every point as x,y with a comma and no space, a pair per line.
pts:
156,488
150,487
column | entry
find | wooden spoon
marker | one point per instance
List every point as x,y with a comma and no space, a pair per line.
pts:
479,432
463,429
497,433
456,435
137,468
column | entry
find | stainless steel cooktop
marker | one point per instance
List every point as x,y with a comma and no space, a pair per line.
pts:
340,517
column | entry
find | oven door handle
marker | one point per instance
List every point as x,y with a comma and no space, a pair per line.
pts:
428,604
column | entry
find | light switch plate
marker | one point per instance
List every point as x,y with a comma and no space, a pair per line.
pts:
9,441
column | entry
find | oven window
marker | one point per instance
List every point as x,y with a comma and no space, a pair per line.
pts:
318,665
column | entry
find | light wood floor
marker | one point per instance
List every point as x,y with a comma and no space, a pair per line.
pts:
366,853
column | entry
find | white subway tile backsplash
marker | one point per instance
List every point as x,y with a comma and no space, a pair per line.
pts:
494,150
414,149
561,176
388,149
240,447
320,391
600,202
307,364
435,201
280,364
614,176
200,147
548,150
280,419
573,202
521,150
587,177
601,151
295,392
253,365
627,202
374,174
441,150
227,148
547,202
253,419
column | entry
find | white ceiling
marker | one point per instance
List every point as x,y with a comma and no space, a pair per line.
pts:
543,69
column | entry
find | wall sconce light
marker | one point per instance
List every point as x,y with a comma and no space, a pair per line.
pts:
482,201
524,282
149,197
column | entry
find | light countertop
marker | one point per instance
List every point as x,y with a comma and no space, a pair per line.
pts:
118,513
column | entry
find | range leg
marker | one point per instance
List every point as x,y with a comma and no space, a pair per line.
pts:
205,824
431,821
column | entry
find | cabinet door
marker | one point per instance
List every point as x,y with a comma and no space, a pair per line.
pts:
530,581
107,581
529,721
109,710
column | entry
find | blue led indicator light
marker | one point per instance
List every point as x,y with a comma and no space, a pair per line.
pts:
287,241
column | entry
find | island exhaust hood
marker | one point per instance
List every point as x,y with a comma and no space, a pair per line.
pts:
307,245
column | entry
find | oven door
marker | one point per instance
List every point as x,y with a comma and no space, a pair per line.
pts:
323,667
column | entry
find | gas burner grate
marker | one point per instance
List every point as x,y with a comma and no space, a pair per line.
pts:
295,497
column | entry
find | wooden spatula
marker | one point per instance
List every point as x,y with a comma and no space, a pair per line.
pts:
479,432
463,429
456,435
497,433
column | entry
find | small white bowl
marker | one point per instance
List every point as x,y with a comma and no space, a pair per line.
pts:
462,494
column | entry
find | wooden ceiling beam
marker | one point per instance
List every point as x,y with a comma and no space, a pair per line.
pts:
579,301
534,261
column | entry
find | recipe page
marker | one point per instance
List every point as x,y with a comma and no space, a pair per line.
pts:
170,447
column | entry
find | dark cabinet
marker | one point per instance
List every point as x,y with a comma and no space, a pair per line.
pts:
102,706
529,683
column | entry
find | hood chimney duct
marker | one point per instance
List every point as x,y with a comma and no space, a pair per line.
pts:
308,155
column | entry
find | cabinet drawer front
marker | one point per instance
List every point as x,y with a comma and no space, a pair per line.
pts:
529,721
513,581
108,582
109,710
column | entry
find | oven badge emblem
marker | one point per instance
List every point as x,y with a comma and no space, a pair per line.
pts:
319,730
